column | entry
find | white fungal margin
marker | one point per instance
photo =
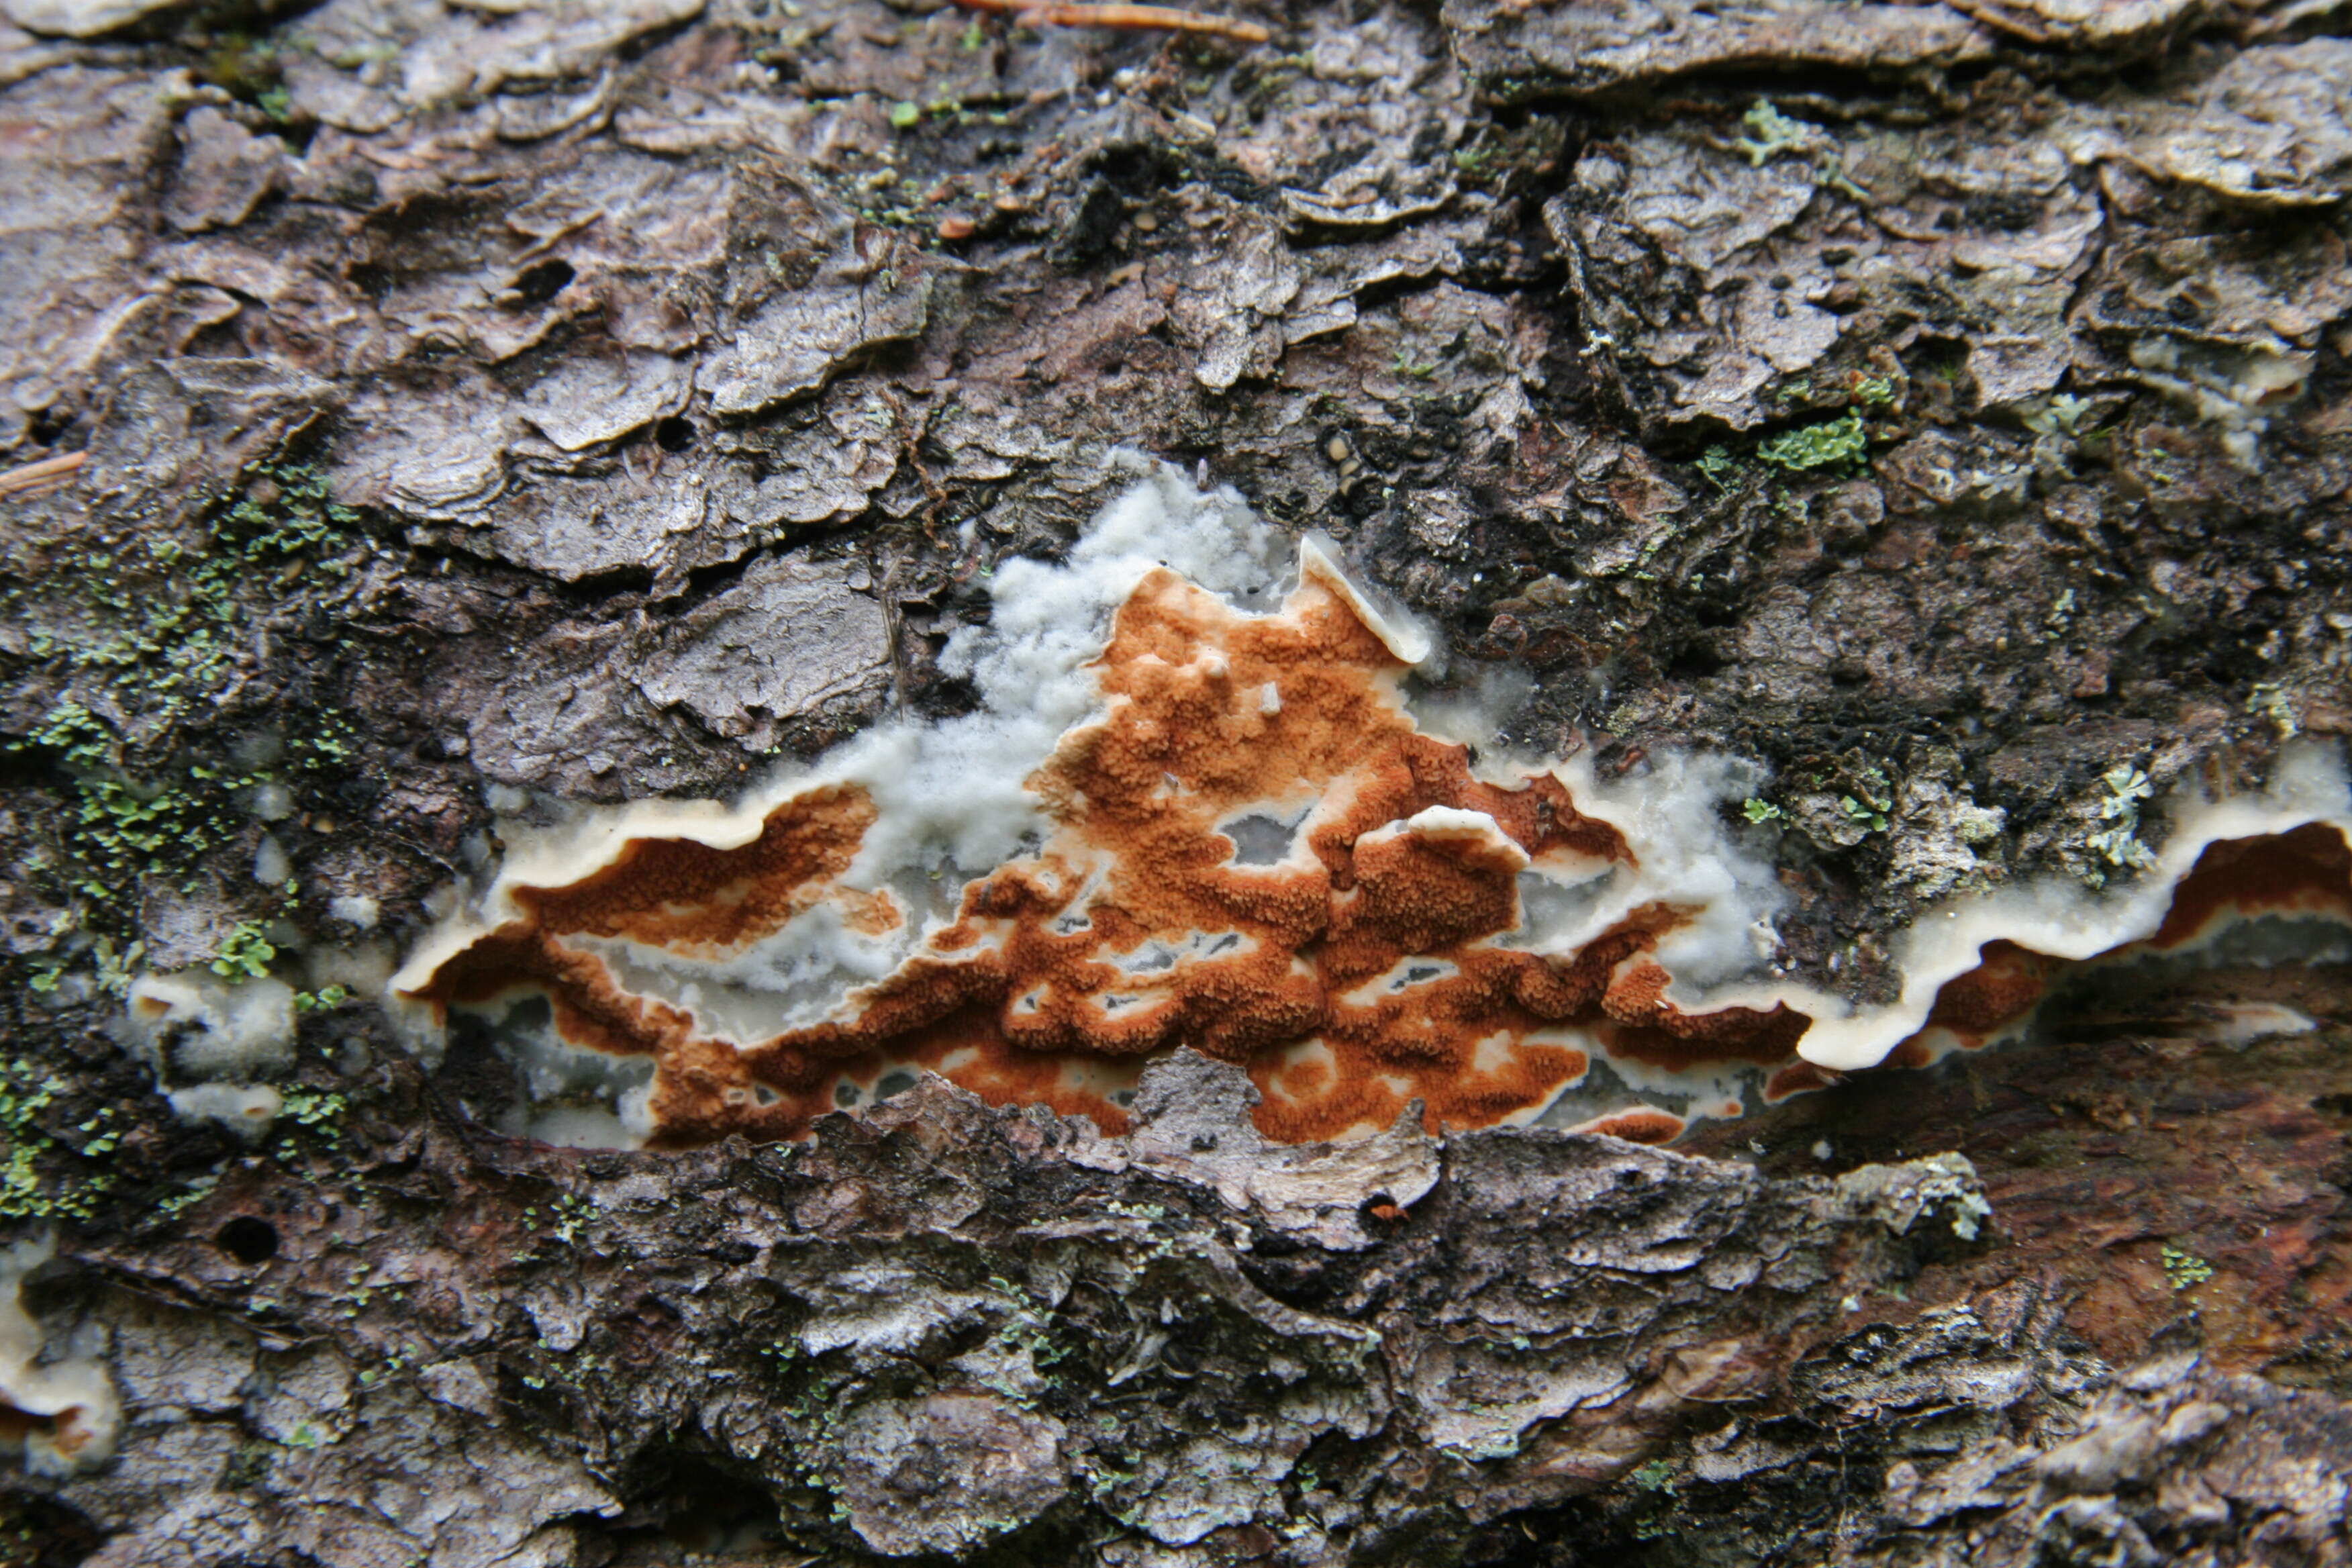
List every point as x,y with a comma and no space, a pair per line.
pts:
951,803
69,1398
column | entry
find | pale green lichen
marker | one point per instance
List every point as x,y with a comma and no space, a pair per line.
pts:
2270,700
246,951
1838,441
311,1111
1872,798
2061,415
38,1179
1773,133
1657,1476
2184,1269
1716,466
143,636
2119,844
1869,816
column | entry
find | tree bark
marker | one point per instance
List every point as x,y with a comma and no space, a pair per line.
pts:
414,409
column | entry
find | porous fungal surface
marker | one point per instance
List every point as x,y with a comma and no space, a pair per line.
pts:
1197,808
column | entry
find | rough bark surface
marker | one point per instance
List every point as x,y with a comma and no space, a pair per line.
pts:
413,411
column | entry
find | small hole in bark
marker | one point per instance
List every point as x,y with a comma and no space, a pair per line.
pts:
248,1240
371,279
1696,661
894,1084
675,434
543,281
44,427
713,1513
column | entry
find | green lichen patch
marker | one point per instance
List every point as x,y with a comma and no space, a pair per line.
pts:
49,1170
2183,1269
2119,844
138,656
1837,443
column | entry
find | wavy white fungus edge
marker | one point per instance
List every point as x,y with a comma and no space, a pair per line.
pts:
72,1393
951,796
2065,921
954,794
212,1042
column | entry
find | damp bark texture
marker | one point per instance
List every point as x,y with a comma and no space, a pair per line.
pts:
414,411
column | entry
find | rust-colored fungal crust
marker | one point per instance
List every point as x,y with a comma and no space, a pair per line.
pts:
1253,852
2303,873
2001,989
2306,873
1641,1124
1353,969
699,901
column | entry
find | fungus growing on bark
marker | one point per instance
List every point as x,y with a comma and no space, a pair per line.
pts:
59,1412
1191,815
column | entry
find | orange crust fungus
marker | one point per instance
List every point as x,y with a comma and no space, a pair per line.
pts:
2303,873
1357,969
1252,850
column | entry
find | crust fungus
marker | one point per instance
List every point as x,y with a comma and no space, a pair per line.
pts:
1199,822
59,1412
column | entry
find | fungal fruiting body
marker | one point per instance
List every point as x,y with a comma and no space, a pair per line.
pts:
59,1414
1253,851
1184,821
